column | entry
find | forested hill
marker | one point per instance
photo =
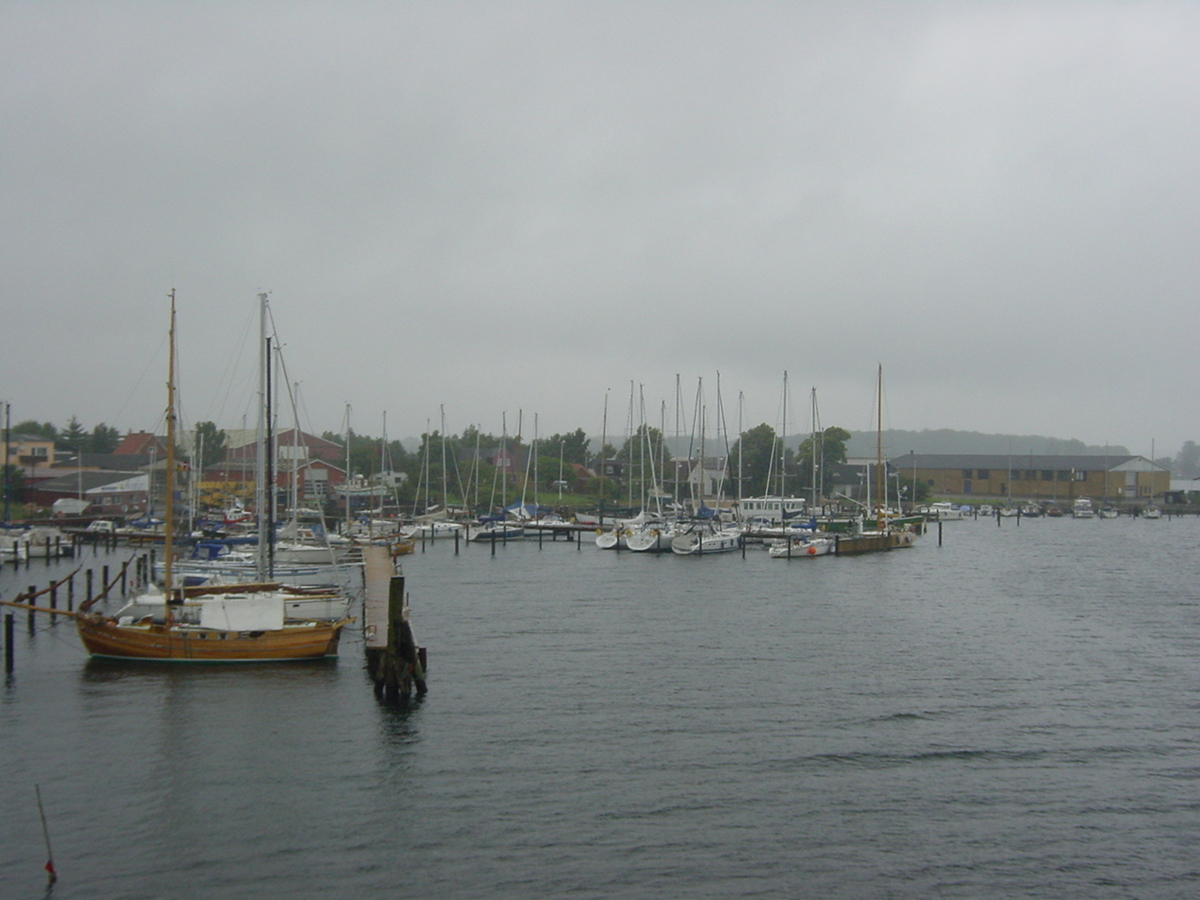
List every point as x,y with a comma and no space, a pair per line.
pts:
897,442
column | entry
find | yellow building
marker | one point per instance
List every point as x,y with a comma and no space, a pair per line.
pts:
1037,477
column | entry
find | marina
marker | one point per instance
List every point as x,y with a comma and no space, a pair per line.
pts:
607,724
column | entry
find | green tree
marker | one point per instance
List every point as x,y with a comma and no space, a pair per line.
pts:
913,491
210,442
1187,461
13,481
829,449
102,440
572,446
44,430
73,437
756,456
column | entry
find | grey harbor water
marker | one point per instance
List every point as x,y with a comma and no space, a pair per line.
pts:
1013,713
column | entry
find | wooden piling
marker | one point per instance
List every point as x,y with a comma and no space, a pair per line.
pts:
8,643
395,663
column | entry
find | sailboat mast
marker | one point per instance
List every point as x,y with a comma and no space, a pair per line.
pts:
346,482
169,524
880,489
783,447
260,466
815,468
445,489
269,451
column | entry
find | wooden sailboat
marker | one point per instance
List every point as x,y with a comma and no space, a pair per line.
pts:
886,535
237,622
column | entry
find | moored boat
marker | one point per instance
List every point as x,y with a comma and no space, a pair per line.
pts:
1082,509
704,537
802,547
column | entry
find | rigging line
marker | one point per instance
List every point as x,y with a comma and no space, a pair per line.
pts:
230,375
153,361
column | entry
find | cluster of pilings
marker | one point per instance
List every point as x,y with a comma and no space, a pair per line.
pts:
131,576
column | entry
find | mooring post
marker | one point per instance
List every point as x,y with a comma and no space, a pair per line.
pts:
939,532
8,643
125,579
32,626
89,588
71,593
53,603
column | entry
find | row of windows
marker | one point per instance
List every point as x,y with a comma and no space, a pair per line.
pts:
1030,474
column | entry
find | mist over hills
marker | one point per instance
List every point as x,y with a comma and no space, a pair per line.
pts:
896,442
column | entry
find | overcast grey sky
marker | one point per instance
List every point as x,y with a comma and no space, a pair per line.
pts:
503,207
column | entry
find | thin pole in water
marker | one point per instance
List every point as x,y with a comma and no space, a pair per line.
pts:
51,874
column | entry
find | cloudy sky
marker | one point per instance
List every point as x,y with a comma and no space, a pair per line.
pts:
509,209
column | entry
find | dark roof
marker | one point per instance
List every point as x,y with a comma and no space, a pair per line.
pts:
848,472
1016,461
114,462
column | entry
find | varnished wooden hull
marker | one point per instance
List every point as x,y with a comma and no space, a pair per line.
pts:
848,545
189,643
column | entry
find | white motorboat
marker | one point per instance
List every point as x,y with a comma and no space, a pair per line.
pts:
801,547
1082,509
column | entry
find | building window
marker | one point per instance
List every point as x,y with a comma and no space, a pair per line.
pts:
967,473
983,473
1047,474
1079,476
1030,475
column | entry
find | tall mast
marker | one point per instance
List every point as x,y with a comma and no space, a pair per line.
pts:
346,482
7,471
269,451
603,440
260,465
783,447
169,524
815,467
880,489
445,486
